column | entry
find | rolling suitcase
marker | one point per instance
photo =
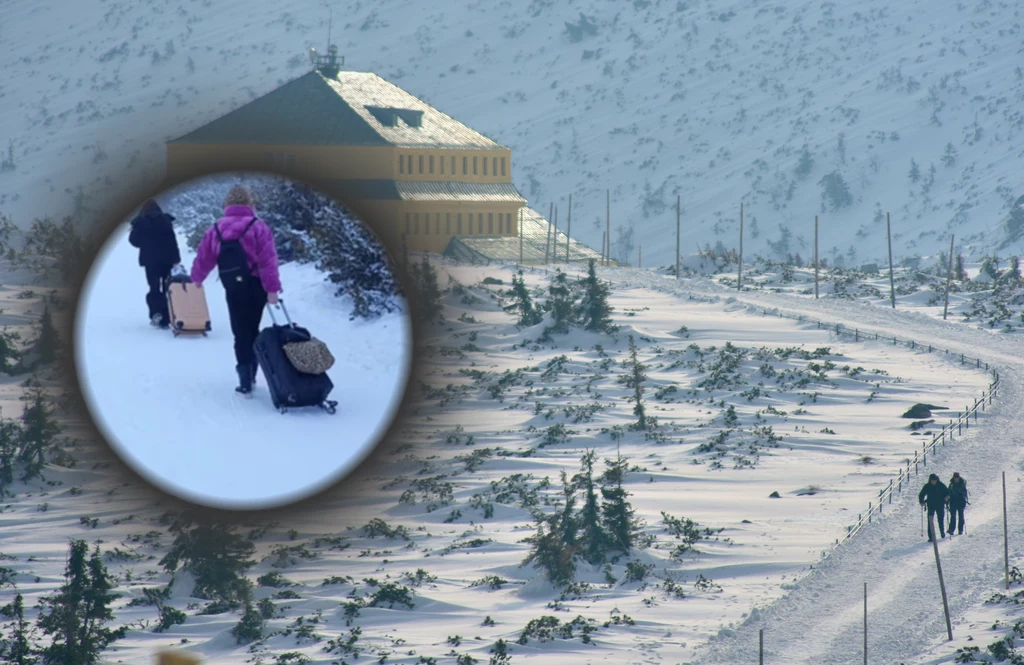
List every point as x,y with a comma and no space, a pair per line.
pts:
289,388
186,304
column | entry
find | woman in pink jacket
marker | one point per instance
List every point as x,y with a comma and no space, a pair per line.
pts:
242,246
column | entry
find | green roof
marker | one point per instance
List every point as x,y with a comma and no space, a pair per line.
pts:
356,108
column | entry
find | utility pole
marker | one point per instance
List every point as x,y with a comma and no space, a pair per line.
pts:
608,226
1006,539
678,198
949,277
815,257
568,230
739,273
892,282
547,238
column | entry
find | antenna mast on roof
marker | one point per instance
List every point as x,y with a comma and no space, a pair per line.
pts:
328,65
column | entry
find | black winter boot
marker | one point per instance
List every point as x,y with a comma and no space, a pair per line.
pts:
245,376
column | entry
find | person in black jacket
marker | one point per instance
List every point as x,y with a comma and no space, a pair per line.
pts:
936,495
957,502
153,233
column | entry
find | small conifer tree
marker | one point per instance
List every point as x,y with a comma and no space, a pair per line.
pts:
634,380
522,302
17,645
76,615
594,308
47,344
39,429
618,517
215,554
915,172
592,535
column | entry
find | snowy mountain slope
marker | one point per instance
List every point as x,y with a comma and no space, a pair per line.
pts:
168,404
711,101
435,482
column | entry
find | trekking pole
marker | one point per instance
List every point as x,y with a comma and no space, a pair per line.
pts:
922,521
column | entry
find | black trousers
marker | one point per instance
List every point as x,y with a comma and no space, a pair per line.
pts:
956,511
157,277
939,513
245,309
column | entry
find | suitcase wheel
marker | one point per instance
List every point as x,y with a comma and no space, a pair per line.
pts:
330,407
208,327
282,409
179,324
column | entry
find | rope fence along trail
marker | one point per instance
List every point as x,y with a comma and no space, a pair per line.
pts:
949,432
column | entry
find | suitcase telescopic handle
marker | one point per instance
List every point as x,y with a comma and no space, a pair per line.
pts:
284,309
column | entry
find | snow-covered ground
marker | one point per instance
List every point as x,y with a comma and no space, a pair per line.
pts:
479,438
168,406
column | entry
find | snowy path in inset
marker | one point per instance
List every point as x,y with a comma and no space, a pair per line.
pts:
168,404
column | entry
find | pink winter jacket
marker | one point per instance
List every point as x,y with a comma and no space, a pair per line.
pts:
258,243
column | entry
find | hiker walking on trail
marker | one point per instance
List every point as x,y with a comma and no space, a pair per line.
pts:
153,233
242,247
957,502
935,494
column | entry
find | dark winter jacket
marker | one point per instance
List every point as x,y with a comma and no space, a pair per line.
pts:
934,495
154,235
957,493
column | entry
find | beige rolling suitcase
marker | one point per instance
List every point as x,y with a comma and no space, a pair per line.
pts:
186,303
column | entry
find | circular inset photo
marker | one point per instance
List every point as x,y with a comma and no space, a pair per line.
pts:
242,342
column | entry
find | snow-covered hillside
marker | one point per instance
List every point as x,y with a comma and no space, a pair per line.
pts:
716,102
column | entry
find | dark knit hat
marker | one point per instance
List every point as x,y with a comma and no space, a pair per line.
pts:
933,477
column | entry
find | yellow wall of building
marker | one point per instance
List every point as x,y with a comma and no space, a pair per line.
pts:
386,217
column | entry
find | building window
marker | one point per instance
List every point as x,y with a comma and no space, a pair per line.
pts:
458,228
480,223
408,224
490,223
437,223
431,163
442,164
475,159
485,166
453,164
503,166
415,223
494,166
465,161
426,224
401,164
421,163
447,223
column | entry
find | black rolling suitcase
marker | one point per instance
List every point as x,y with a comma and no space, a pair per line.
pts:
289,388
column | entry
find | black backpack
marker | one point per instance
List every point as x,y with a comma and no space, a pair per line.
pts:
232,262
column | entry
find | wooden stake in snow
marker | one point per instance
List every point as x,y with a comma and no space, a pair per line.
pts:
568,230
815,257
604,239
760,646
677,235
739,272
1006,539
892,283
608,226
949,277
938,565
865,623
